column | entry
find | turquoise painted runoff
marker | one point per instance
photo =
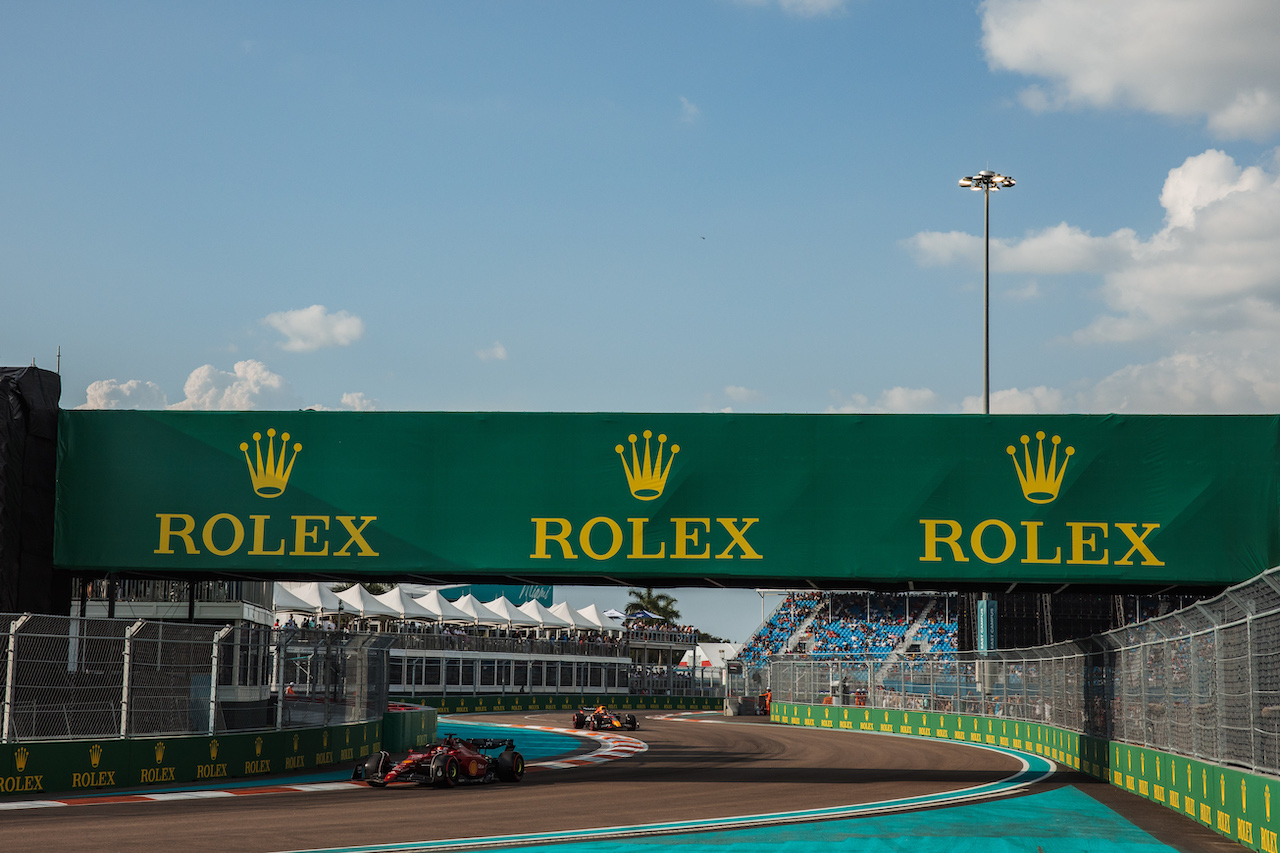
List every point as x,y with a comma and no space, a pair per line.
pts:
1063,820
533,745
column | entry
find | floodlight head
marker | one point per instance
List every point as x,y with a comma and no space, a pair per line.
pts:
966,182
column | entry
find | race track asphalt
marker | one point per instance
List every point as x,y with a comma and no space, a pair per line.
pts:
691,770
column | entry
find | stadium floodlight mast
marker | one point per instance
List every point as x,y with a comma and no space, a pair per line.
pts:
986,182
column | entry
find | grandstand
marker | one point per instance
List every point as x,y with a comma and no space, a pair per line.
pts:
885,627
889,628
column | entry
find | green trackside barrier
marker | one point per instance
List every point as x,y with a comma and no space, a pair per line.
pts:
1235,803
570,703
405,730
112,764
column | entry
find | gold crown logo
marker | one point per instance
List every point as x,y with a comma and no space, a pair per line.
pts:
95,755
159,752
325,737
270,477
295,743
20,759
213,750
1040,483
257,746
647,479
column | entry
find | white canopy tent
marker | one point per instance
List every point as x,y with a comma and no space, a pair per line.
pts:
478,613
572,617
545,618
360,601
592,614
284,601
404,604
443,609
320,597
514,616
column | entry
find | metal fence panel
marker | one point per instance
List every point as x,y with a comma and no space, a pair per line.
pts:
1202,682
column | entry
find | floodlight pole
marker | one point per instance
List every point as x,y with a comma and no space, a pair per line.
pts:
986,182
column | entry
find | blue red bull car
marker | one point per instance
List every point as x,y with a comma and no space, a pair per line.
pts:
600,719
447,763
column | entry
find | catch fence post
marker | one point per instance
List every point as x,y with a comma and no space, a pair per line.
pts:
213,675
277,653
11,674
127,676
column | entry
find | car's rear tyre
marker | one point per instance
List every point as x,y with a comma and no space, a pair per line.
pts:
632,723
377,767
579,721
510,766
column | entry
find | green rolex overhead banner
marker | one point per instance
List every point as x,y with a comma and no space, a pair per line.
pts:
734,499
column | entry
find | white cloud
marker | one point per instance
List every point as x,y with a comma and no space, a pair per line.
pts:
740,394
250,385
1214,270
1179,58
1205,289
1059,249
308,329
689,111
802,8
133,394
897,400
358,402
497,352
1014,401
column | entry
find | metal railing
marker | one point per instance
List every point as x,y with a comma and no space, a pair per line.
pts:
65,677
1203,681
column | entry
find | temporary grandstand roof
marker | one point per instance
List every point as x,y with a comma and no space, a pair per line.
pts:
546,618
513,615
317,595
572,617
478,613
442,608
592,614
360,600
282,600
403,603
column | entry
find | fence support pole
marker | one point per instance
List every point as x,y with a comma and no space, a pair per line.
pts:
277,651
127,676
11,674
213,675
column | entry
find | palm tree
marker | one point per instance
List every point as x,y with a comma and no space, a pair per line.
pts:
374,588
659,604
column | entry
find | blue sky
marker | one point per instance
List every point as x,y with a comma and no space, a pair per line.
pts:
666,206
685,206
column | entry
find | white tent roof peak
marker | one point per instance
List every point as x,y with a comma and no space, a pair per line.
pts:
443,608
545,617
572,617
319,596
592,614
511,614
360,600
401,602
284,601
478,613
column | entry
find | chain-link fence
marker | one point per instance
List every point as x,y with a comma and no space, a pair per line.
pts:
65,677
1203,681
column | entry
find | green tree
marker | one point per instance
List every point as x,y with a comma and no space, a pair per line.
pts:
658,603
374,588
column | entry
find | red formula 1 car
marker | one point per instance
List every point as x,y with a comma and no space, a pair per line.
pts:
449,762
601,719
